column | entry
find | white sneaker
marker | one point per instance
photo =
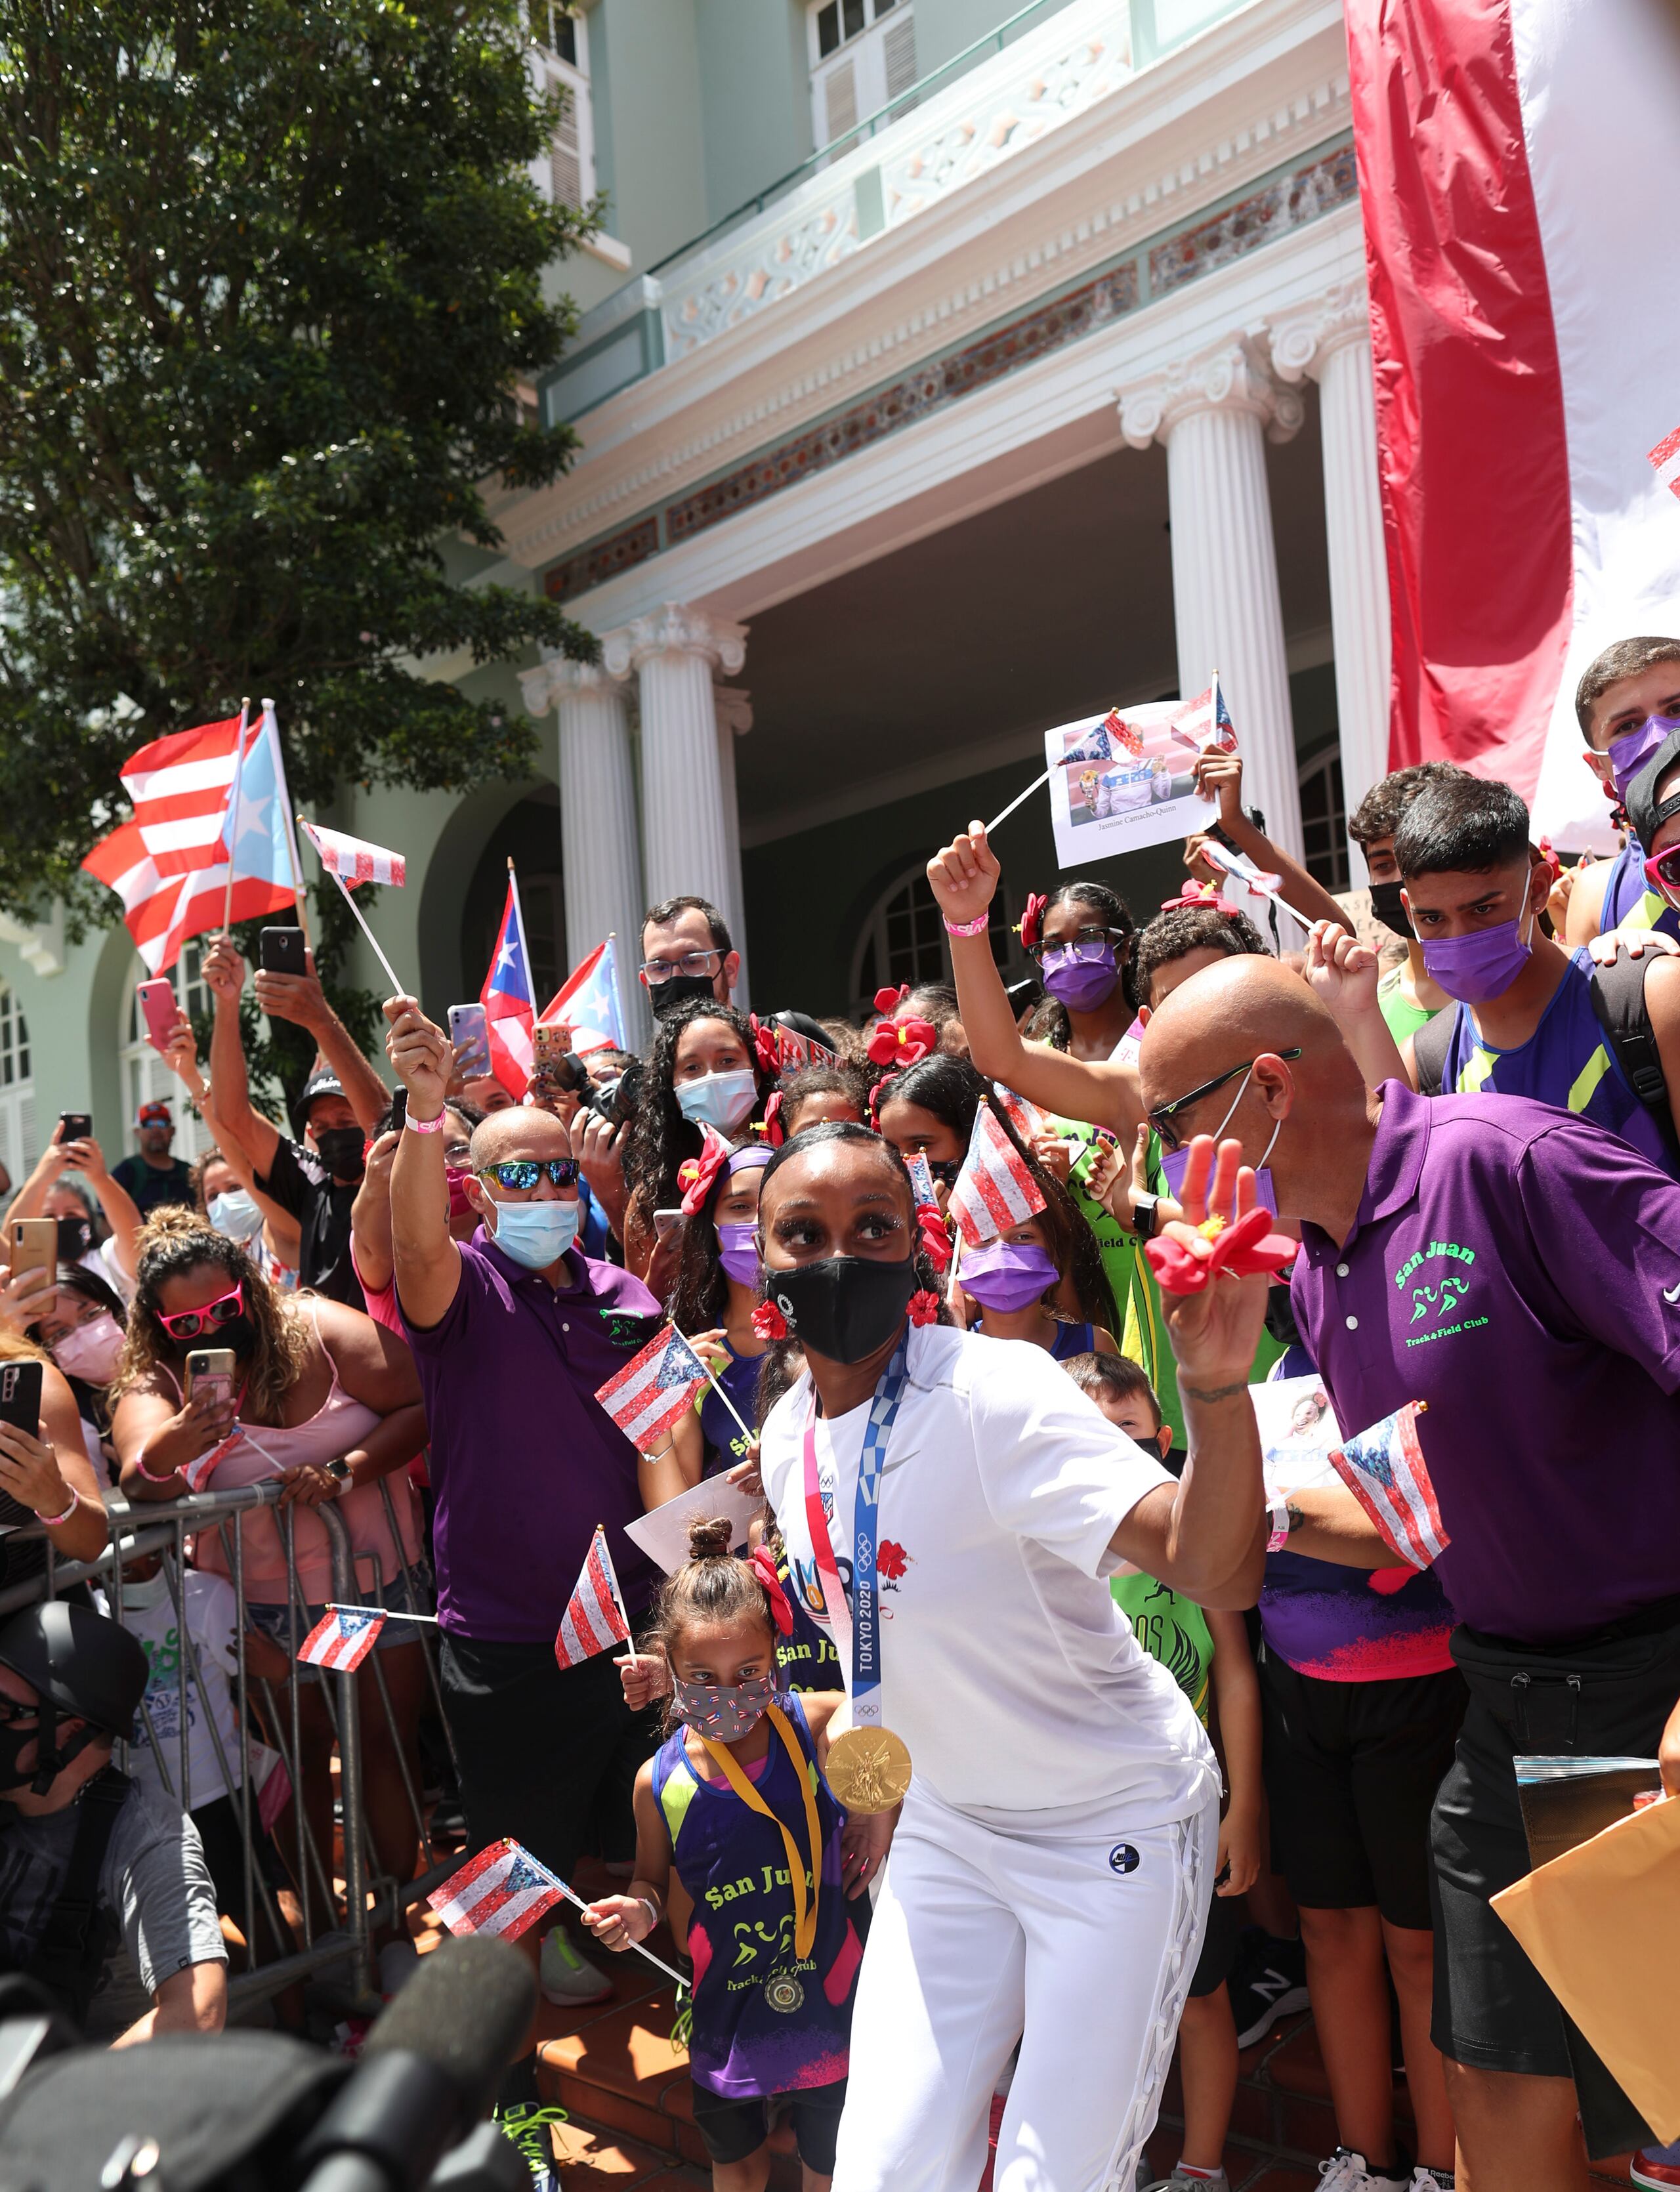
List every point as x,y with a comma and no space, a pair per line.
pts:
567,1975
1347,2171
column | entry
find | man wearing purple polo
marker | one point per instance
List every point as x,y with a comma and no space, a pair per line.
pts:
513,1334
1518,1269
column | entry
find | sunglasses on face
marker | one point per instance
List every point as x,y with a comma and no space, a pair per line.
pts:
523,1174
1662,873
188,1324
1163,1115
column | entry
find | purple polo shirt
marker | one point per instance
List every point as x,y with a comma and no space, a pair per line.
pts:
1518,1269
524,1459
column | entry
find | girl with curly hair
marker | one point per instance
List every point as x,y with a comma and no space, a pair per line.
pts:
327,1403
1081,938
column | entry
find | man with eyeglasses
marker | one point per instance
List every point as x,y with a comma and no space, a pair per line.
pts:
514,1331
1517,1269
686,952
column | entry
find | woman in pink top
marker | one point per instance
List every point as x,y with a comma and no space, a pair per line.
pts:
328,1402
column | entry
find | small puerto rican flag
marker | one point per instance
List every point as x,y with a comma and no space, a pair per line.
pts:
594,1619
1027,1120
995,1188
1385,1469
1665,461
342,1638
503,1890
648,1396
1261,881
1205,722
353,860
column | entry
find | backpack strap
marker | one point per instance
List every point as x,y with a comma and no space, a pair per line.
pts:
1430,1047
1618,993
70,1955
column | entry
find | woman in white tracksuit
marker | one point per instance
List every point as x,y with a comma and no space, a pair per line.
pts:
1051,1870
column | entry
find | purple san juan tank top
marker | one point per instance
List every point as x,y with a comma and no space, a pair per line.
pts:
765,2021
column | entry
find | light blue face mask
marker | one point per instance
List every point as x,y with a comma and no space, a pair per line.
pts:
724,1100
237,1215
537,1234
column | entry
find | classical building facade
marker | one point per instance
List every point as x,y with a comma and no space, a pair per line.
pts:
1021,367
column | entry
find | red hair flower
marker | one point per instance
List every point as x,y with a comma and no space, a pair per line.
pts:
935,1242
1031,927
769,1322
901,1042
887,1001
924,1307
698,1176
775,1132
764,1047
1244,1249
1195,893
764,1566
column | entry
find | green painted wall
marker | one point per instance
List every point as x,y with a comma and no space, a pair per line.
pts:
755,96
644,74
945,28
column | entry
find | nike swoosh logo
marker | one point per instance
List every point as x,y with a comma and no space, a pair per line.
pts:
1672,1294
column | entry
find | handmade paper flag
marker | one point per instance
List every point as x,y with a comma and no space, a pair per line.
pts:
594,1619
1027,1120
1665,461
1205,723
1259,880
648,1396
587,1002
995,1187
503,1890
507,999
921,1179
353,860
342,1638
1385,1469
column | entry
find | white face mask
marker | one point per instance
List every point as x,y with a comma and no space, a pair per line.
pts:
724,1100
535,1234
90,1351
235,1214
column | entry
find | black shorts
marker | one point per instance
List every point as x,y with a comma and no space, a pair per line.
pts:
734,2129
1352,1769
1219,1947
548,1755
1493,2011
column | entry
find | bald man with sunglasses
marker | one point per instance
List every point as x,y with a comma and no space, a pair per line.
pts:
513,1333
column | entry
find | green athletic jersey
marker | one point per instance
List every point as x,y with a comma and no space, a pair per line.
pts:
1170,1629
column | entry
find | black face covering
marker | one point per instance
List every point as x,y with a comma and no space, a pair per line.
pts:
51,1759
340,1149
677,990
76,1237
947,1171
1386,906
843,1307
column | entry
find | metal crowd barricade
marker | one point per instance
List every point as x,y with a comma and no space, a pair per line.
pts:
370,1898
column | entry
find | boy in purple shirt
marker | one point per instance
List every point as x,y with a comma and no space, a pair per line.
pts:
1519,1270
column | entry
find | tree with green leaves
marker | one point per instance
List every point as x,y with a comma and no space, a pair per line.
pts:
272,273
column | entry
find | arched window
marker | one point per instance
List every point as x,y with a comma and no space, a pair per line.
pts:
903,939
144,1075
18,1147
1324,819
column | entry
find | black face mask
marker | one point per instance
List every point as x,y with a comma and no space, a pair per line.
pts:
76,1237
340,1149
677,990
843,1307
51,1759
1386,906
947,1172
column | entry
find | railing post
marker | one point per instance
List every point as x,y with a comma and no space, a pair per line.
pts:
350,1766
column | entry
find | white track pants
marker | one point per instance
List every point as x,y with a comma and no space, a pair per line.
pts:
980,1938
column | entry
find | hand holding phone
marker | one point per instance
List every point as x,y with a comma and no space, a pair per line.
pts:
210,1372
76,1127
29,1473
34,1249
283,951
160,1009
470,1034
665,1222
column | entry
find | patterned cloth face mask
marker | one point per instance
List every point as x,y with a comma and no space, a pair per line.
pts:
723,1711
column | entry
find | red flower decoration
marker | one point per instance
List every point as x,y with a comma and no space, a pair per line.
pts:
887,1002
1244,1249
901,1042
775,1132
890,1559
698,1176
769,1322
935,1242
924,1307
1031,927
1194,893
764,1566
764,1044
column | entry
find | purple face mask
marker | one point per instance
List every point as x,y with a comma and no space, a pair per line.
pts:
724,1712
1481,966
1007,1274
1629,753
737,1253
1174,1164
1080,984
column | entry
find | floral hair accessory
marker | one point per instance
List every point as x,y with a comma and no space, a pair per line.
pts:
764,1049
769,1322
698,1176
934,1242
888,1000
1031,925
901,1042
775,1132
924,1307
1242,1249
1195,893
764,1566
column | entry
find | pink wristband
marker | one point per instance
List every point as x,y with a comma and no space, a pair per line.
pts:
1280,1527
423,1126
52,1521
968,928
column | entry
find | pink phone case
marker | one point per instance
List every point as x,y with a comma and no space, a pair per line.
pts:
158,1005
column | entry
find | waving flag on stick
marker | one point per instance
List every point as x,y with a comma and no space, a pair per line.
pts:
1665,461
506,998
1204,722
1385,1469
350,861
587,1002
648,1396
995,1187
595,1619
1259,880
504,1890
342,1638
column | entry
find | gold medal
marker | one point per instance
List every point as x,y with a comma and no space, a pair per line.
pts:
868,1768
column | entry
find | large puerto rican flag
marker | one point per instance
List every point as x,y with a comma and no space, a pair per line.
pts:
587,1002
1519,169
507,999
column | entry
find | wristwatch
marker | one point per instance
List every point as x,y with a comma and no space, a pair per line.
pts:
340,1468
1144,1220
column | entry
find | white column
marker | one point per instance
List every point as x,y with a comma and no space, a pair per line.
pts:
685,823
734,721
1215,413
1330,339
600,853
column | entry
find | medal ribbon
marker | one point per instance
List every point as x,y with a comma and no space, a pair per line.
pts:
863,1616
804,1907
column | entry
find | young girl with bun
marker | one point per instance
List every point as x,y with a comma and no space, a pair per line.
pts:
735,1804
